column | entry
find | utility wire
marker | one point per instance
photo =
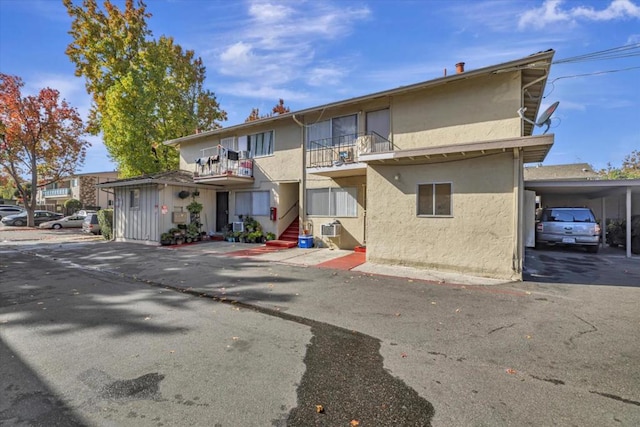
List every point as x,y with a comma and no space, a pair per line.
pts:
613,53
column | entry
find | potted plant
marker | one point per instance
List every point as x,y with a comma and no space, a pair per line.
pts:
166,239
194,207
270,236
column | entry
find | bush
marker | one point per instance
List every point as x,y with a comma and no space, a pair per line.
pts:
105,219
72,206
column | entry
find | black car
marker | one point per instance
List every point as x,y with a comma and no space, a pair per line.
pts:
38,218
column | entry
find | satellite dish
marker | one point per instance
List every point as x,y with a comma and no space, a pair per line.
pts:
545,117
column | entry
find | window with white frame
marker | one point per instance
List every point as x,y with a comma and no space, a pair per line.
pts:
134,199
339,202
252,203
229,143
337,131
434,199
261,144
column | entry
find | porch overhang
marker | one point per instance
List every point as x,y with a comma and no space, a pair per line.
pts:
340,171
533,149
224,180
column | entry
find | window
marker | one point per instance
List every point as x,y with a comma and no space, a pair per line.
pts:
378,122
229,143
341,202
336,131
74,182
134,199
261,144
252,203
434,199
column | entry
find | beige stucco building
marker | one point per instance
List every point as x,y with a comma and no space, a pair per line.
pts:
427,175
80,187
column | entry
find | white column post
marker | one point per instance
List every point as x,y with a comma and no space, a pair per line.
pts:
628,222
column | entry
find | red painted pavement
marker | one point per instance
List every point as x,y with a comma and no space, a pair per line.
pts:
346,262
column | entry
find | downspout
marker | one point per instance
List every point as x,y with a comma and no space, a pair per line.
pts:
302,191
518,219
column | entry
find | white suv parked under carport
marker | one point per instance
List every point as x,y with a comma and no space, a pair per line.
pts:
568,226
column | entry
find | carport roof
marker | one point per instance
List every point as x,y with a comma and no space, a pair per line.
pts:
590,188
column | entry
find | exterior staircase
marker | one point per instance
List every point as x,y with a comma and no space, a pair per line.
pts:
289,238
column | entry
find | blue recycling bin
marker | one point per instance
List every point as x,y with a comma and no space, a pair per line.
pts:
305,242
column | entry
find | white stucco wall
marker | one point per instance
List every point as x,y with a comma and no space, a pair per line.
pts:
477,239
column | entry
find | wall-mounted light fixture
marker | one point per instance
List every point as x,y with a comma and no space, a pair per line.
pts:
396,177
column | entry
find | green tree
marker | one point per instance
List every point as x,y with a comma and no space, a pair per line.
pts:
41,138
630,168
144,91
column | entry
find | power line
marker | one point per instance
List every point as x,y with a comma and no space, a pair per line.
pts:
626,51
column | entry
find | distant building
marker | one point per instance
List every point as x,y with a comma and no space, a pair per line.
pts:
81,187
570,172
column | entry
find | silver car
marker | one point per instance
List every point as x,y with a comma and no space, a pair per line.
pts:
6,210
568,226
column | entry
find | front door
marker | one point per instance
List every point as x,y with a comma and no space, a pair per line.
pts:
222,211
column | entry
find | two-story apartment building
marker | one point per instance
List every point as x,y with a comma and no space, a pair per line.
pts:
427,175
80,187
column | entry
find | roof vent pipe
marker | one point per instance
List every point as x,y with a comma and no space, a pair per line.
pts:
460,67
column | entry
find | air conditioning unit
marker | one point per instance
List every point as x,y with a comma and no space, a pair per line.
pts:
238,226
330,230
244,154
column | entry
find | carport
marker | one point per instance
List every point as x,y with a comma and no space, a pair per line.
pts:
608,199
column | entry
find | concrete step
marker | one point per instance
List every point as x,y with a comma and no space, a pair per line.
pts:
282,243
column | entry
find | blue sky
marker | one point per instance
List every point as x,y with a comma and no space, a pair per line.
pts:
312,52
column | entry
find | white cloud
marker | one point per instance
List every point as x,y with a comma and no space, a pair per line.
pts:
278,43
616,10
551,12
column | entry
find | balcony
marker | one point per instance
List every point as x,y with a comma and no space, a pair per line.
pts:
222,170
339,156
56,192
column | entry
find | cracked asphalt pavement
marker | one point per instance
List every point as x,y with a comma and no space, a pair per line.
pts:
99,333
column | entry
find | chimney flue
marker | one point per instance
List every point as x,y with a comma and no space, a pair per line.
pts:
460,67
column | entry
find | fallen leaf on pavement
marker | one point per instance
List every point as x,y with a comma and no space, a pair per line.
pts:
319,409
403,355
354,423
511,371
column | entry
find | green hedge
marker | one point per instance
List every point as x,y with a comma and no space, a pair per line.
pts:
105,219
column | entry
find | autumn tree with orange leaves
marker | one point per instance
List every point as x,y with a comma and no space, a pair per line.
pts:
40,138
278,109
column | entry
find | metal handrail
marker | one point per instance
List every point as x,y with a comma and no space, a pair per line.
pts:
289,210
343,149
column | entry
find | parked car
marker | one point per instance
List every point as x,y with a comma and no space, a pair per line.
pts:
91,224
10,210
568,226
73,221
38,218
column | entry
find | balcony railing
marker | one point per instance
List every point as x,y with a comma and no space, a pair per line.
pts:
221,166
345,149
57,192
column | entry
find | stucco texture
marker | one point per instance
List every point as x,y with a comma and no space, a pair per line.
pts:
478,238
481,109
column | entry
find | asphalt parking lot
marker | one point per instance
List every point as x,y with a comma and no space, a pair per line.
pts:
138,335
558,264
